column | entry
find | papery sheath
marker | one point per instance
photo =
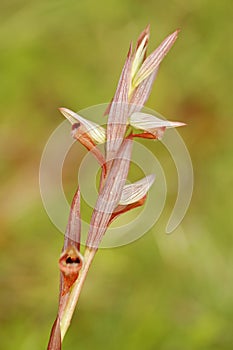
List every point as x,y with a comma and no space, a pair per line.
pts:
118,112
110,195
73,230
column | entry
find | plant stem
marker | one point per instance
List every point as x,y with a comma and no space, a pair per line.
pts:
76,290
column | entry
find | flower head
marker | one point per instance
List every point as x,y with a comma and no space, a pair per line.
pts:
134,87
96,132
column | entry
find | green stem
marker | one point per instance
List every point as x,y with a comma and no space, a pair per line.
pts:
76,290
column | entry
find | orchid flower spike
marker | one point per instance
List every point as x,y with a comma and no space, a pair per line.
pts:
115,197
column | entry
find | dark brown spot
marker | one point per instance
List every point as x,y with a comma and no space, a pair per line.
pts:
69,260
75,126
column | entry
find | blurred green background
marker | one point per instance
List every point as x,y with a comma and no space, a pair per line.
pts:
161,292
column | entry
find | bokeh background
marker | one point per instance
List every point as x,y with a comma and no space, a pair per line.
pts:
161,292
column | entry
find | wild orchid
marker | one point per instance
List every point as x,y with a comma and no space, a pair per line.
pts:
125,121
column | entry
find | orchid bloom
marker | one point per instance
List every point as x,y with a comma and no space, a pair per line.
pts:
151,124
96,132
115,197
136,191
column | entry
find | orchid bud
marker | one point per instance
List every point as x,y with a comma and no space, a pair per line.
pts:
154,59
96,132
134,192
140,52
152,124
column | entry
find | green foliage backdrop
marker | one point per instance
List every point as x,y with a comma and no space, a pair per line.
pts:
161,292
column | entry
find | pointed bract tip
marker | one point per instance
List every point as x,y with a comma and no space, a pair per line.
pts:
147,28
176,124
63,109
144,34
151,178
173,36
55,336
146,31
176,33
130,49
68,114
